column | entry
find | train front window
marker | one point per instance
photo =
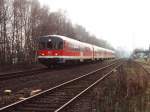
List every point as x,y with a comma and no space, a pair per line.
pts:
53,43
49,45
60,45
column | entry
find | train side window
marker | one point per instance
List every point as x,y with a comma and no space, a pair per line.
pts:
76,48
72,47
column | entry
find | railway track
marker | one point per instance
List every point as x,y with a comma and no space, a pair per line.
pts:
59,97
7,76
141,64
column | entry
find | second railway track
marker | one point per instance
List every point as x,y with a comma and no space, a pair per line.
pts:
59,97
7,76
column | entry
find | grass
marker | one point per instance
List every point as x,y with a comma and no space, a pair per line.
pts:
128,90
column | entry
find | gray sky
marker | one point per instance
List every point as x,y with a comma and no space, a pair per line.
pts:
123,23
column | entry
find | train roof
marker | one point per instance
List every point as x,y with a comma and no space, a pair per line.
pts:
73,40
62,37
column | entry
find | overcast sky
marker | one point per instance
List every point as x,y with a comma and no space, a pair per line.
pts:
123,23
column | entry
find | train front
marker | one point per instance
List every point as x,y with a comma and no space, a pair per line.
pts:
50,50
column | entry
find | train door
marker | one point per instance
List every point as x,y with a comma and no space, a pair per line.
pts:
81,56
93,56
81,53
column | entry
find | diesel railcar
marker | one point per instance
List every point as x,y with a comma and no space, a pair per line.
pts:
56,49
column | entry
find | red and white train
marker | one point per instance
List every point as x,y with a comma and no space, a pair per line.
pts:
56,49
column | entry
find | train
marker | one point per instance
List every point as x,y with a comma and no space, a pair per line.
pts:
57,49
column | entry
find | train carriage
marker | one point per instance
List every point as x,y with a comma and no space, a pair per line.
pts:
56,49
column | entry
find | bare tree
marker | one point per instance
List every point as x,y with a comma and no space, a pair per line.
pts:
23,21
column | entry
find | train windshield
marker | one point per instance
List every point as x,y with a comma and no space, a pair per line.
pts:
49,43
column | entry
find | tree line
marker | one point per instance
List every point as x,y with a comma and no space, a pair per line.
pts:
22,21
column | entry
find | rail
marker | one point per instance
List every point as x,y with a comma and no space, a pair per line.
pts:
51,90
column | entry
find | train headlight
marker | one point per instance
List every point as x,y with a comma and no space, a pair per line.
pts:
56,54
49,53
42,54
